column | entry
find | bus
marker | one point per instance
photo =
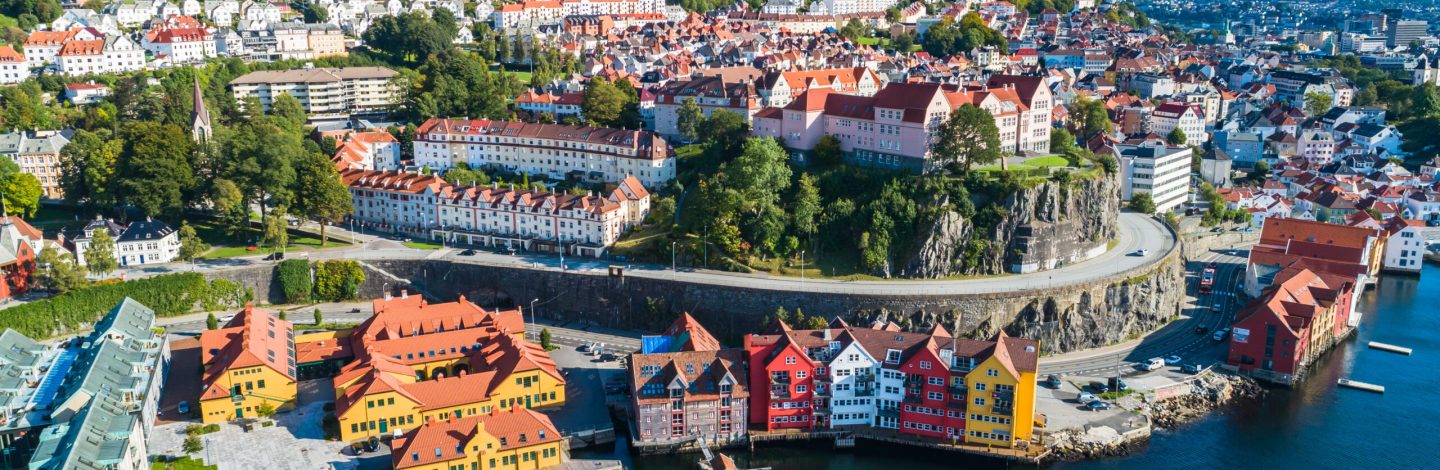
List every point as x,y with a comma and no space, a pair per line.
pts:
1207,281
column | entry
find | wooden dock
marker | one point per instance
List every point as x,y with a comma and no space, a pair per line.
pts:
1390,348
1358,385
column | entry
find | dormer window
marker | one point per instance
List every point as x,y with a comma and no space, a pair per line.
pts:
892,356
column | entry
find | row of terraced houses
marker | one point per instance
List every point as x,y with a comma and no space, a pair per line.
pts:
931,385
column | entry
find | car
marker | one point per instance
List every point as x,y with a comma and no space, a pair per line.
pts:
184,408
467,253
509,250
277,256
1172,360
1099,387
226,319
1217,230
355,310
1140,252
1190,368
583,348
1220,334
1152,363
1085,397
607,357
1216,307
1097,405
1200,329
1213,265
1118,384
1053,381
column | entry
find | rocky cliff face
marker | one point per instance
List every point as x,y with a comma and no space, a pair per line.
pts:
1062,319
1042,228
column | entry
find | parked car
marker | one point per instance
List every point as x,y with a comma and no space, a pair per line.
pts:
1053,381
1152,363
277,256
583,348
1190,368
1217,230
467,253
1099,387
1097,405
1173,359
607,357
184,408
1118,384
1085,397
1220,334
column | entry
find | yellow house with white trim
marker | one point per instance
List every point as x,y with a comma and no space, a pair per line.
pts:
249,367
518,439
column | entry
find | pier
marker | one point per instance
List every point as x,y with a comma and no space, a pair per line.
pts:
1358,385
1390,348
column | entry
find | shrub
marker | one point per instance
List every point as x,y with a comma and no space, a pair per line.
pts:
169,295
294,278
193,445
338,280
265,410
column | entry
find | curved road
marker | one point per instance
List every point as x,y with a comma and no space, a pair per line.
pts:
1177,338
1136,232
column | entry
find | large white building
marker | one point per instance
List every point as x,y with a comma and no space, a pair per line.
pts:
1161,171
142,242
323,92
1405,246
13,66
493,216
1187,117
555,151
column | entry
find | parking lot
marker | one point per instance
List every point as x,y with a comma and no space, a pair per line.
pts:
585,379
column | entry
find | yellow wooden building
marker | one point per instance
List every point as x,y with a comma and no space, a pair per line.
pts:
517,439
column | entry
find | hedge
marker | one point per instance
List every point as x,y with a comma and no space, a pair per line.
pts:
338,280
169,295
294,279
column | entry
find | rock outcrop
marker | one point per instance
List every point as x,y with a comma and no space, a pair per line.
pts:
1206,394
1040,228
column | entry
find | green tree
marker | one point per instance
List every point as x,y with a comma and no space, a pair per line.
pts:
260,159
191,246
1425,103
408,38
211,323
826,152
807,209
1061,141
229,204
969,137
87,168
1177,137
545,340
463,174
289,110
265,410
1089,117
192,445
1317,104
315,13
1142,203
275,235
688,120
100,255
1260,173
320,194
154,172
854,30
603,103
22,194
57,273
319,317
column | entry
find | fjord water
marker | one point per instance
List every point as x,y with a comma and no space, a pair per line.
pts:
1315,425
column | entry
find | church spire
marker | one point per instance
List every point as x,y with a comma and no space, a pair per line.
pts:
200,117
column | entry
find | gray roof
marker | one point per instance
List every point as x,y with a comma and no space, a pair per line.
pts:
31,143
315,75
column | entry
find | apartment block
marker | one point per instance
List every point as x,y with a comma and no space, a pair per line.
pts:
1156,169
683,386
581,153
323,92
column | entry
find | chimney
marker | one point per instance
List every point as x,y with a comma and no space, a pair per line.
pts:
387,296
404,294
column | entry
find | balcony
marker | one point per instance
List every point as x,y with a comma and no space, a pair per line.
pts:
956,388
779,394
780,378
889,412
914,399
956,405
1005,411
866,391
822,392
1005,395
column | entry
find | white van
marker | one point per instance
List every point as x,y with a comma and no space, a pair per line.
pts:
1153,364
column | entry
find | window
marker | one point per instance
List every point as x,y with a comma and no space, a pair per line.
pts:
790,359
980,386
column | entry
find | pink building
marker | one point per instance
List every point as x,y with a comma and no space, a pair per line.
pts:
894,128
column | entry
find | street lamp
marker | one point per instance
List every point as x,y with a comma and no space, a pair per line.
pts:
802,265
672,257
532,314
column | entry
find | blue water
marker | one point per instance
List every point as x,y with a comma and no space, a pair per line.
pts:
1314,426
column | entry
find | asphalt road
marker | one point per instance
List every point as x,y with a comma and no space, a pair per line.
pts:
1136,232
1179,337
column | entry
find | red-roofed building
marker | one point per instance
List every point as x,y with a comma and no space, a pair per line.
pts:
417,362
249,367
1352,252
1292,322
369,150
14,68
514,439
684,386
588,154
181,40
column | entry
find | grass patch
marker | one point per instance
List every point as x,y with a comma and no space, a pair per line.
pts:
1048,162
182,463
424,245
640,242
1114,394
199,430
225,245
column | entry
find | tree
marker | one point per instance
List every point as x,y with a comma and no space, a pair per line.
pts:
1317,104
211,323
100,255
1177,138
1142,203
969,137
319,317
229,204
265,410
154,172
87,168
1089,117
827,152
1260,172
192,444
545,340
191,246
289,110
320,194
22,194
1061,141
57,273
689,119
315,13
275,234
854,30
1425,102
603,103
260,159
807,206
462,173
409,38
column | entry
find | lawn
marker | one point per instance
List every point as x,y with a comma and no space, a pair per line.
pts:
223,245
184,463
523,76
641,242
424,245
1048,162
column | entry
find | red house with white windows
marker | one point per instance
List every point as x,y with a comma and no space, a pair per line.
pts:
928,409
1300,316
782,381
19,243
